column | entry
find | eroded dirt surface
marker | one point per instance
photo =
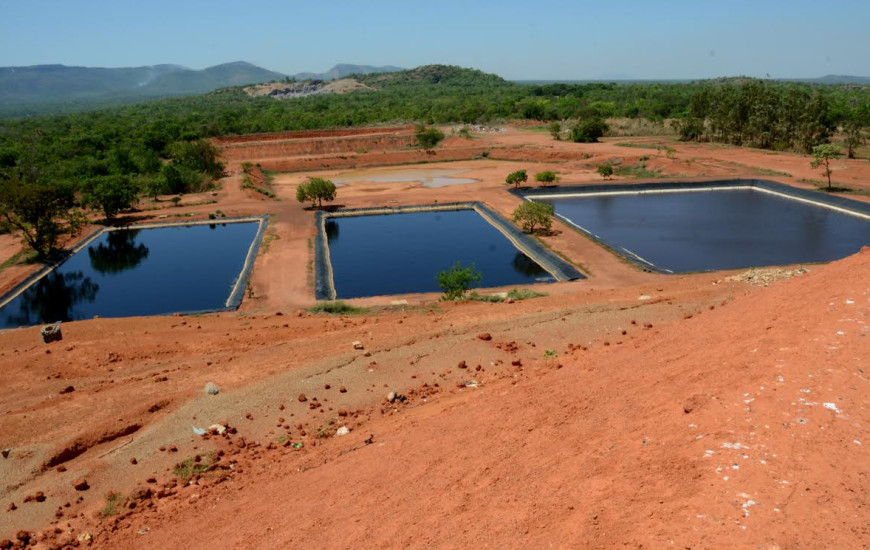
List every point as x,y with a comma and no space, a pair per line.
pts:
628,409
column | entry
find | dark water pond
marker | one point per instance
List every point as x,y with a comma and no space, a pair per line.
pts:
139,272
402,253
723,229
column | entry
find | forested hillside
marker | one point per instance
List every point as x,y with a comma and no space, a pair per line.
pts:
106,158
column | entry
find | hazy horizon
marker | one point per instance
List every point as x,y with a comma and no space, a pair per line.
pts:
550,40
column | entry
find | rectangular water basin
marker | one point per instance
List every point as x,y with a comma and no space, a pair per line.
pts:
373,252
726,225
141,271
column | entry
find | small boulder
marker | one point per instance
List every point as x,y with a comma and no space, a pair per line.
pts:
391,396
358,345
344,430
485,336
81,485
212,389
302,398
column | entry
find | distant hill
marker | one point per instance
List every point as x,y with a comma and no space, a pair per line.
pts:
835,79
59,82
446,75
344,69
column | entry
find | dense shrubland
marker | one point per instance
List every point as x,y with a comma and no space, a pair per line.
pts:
109,158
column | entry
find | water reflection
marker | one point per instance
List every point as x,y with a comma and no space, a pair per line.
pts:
526,266
118,253
331,227
53,298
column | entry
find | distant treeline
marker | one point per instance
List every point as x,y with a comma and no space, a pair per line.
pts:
108,157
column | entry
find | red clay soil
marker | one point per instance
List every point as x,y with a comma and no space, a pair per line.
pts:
752,434
626,409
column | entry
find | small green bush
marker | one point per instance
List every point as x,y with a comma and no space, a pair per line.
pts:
547,176
588,131
428,137
606,170
458,280
337,308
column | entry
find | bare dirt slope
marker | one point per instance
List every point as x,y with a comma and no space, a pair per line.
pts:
742,426
709,413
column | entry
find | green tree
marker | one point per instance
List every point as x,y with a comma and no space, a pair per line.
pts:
316,190
458,280
111,194
516,178
428,136
547,176
588,131
531,215
35,208
198,155
606,170
854,130
555,130
822,155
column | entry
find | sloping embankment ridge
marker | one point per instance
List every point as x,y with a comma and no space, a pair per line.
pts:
743,426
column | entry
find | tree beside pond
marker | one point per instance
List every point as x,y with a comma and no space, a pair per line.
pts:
822,155
532,215
516,178
547,176
316,190
458,280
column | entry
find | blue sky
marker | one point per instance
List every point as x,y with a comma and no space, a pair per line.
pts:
544,39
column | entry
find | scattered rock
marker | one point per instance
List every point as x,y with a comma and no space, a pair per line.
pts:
217,429
485,336
344,430
5,544
39,496
212,389
302,398
68,389
391,396
370,439
358,345
11,507
133,461
342,389
81,485
644,297
61,469
462,365
5,452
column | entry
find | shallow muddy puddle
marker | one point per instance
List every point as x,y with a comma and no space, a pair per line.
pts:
427,177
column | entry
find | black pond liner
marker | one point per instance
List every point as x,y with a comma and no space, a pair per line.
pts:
236,295
324,288
816,198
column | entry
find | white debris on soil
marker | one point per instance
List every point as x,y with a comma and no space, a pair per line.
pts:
831,407
766,277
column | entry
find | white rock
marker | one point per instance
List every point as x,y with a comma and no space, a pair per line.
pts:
644,297
212,389
358,345
344,430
